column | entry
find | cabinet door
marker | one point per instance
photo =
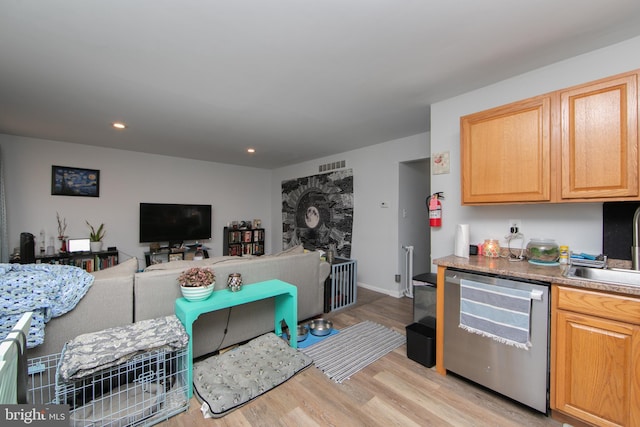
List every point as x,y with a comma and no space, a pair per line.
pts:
505,153
600,139
596,369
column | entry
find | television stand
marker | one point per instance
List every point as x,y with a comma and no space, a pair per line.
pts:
89,261
168,254
177,244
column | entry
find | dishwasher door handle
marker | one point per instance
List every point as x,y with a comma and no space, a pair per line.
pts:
536,295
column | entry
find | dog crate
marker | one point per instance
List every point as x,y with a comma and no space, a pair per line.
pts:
340,288
41,379
145,390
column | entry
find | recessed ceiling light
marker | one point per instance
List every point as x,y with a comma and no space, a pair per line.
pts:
251,150
118,125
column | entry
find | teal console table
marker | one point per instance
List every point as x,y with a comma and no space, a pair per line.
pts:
286,307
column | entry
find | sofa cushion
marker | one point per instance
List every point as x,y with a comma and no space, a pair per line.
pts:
185,264
298,249
129,267
108,303
156,292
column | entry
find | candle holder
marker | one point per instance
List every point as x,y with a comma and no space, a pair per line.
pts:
234,282
491,248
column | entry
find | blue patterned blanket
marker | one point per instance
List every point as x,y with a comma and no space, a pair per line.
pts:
47,290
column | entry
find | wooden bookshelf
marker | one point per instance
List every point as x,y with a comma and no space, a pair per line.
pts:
89,261
244,241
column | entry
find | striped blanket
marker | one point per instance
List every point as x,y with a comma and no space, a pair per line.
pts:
497,312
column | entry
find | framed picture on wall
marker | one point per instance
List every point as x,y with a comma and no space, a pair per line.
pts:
70,181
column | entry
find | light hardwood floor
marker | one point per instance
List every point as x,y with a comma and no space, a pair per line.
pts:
393,391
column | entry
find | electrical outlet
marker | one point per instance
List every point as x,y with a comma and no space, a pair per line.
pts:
515,226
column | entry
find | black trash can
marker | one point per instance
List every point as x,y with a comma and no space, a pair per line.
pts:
421,335
421,344
424,299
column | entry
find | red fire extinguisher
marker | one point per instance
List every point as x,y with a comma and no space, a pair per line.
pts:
435,209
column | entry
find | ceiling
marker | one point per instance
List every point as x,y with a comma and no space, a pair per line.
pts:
294,79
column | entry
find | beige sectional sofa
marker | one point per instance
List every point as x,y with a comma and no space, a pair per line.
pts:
121,295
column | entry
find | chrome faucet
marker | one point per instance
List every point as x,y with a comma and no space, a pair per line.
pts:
635,249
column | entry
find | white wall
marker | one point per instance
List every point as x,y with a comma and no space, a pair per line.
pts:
126,179
375,229
413,217
235,192
577,225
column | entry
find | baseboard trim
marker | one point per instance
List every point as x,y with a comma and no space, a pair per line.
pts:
395,294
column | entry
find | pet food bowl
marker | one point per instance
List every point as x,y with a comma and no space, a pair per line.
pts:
320,327
303,333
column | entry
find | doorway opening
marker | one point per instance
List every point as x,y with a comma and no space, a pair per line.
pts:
413,223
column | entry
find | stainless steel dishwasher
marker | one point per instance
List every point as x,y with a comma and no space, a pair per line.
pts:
521,374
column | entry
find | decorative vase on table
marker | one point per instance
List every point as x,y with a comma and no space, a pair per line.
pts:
197,293
234,282
197,283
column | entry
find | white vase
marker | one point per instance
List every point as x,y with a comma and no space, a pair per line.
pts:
197,293
95,246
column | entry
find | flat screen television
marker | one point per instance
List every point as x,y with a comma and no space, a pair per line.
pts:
164,222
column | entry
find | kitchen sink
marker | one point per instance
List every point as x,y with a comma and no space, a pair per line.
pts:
609,275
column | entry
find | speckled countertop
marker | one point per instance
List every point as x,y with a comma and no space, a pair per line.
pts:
525,270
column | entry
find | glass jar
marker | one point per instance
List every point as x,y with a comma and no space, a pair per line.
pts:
543,250
491,248
564,255
234,282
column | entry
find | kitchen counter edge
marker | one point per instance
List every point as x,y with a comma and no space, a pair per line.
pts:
525,270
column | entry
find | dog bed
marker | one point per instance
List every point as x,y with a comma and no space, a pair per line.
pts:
225,382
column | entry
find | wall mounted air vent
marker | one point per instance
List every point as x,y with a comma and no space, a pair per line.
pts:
331,166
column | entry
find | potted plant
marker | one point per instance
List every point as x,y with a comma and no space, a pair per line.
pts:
95,237
197,283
